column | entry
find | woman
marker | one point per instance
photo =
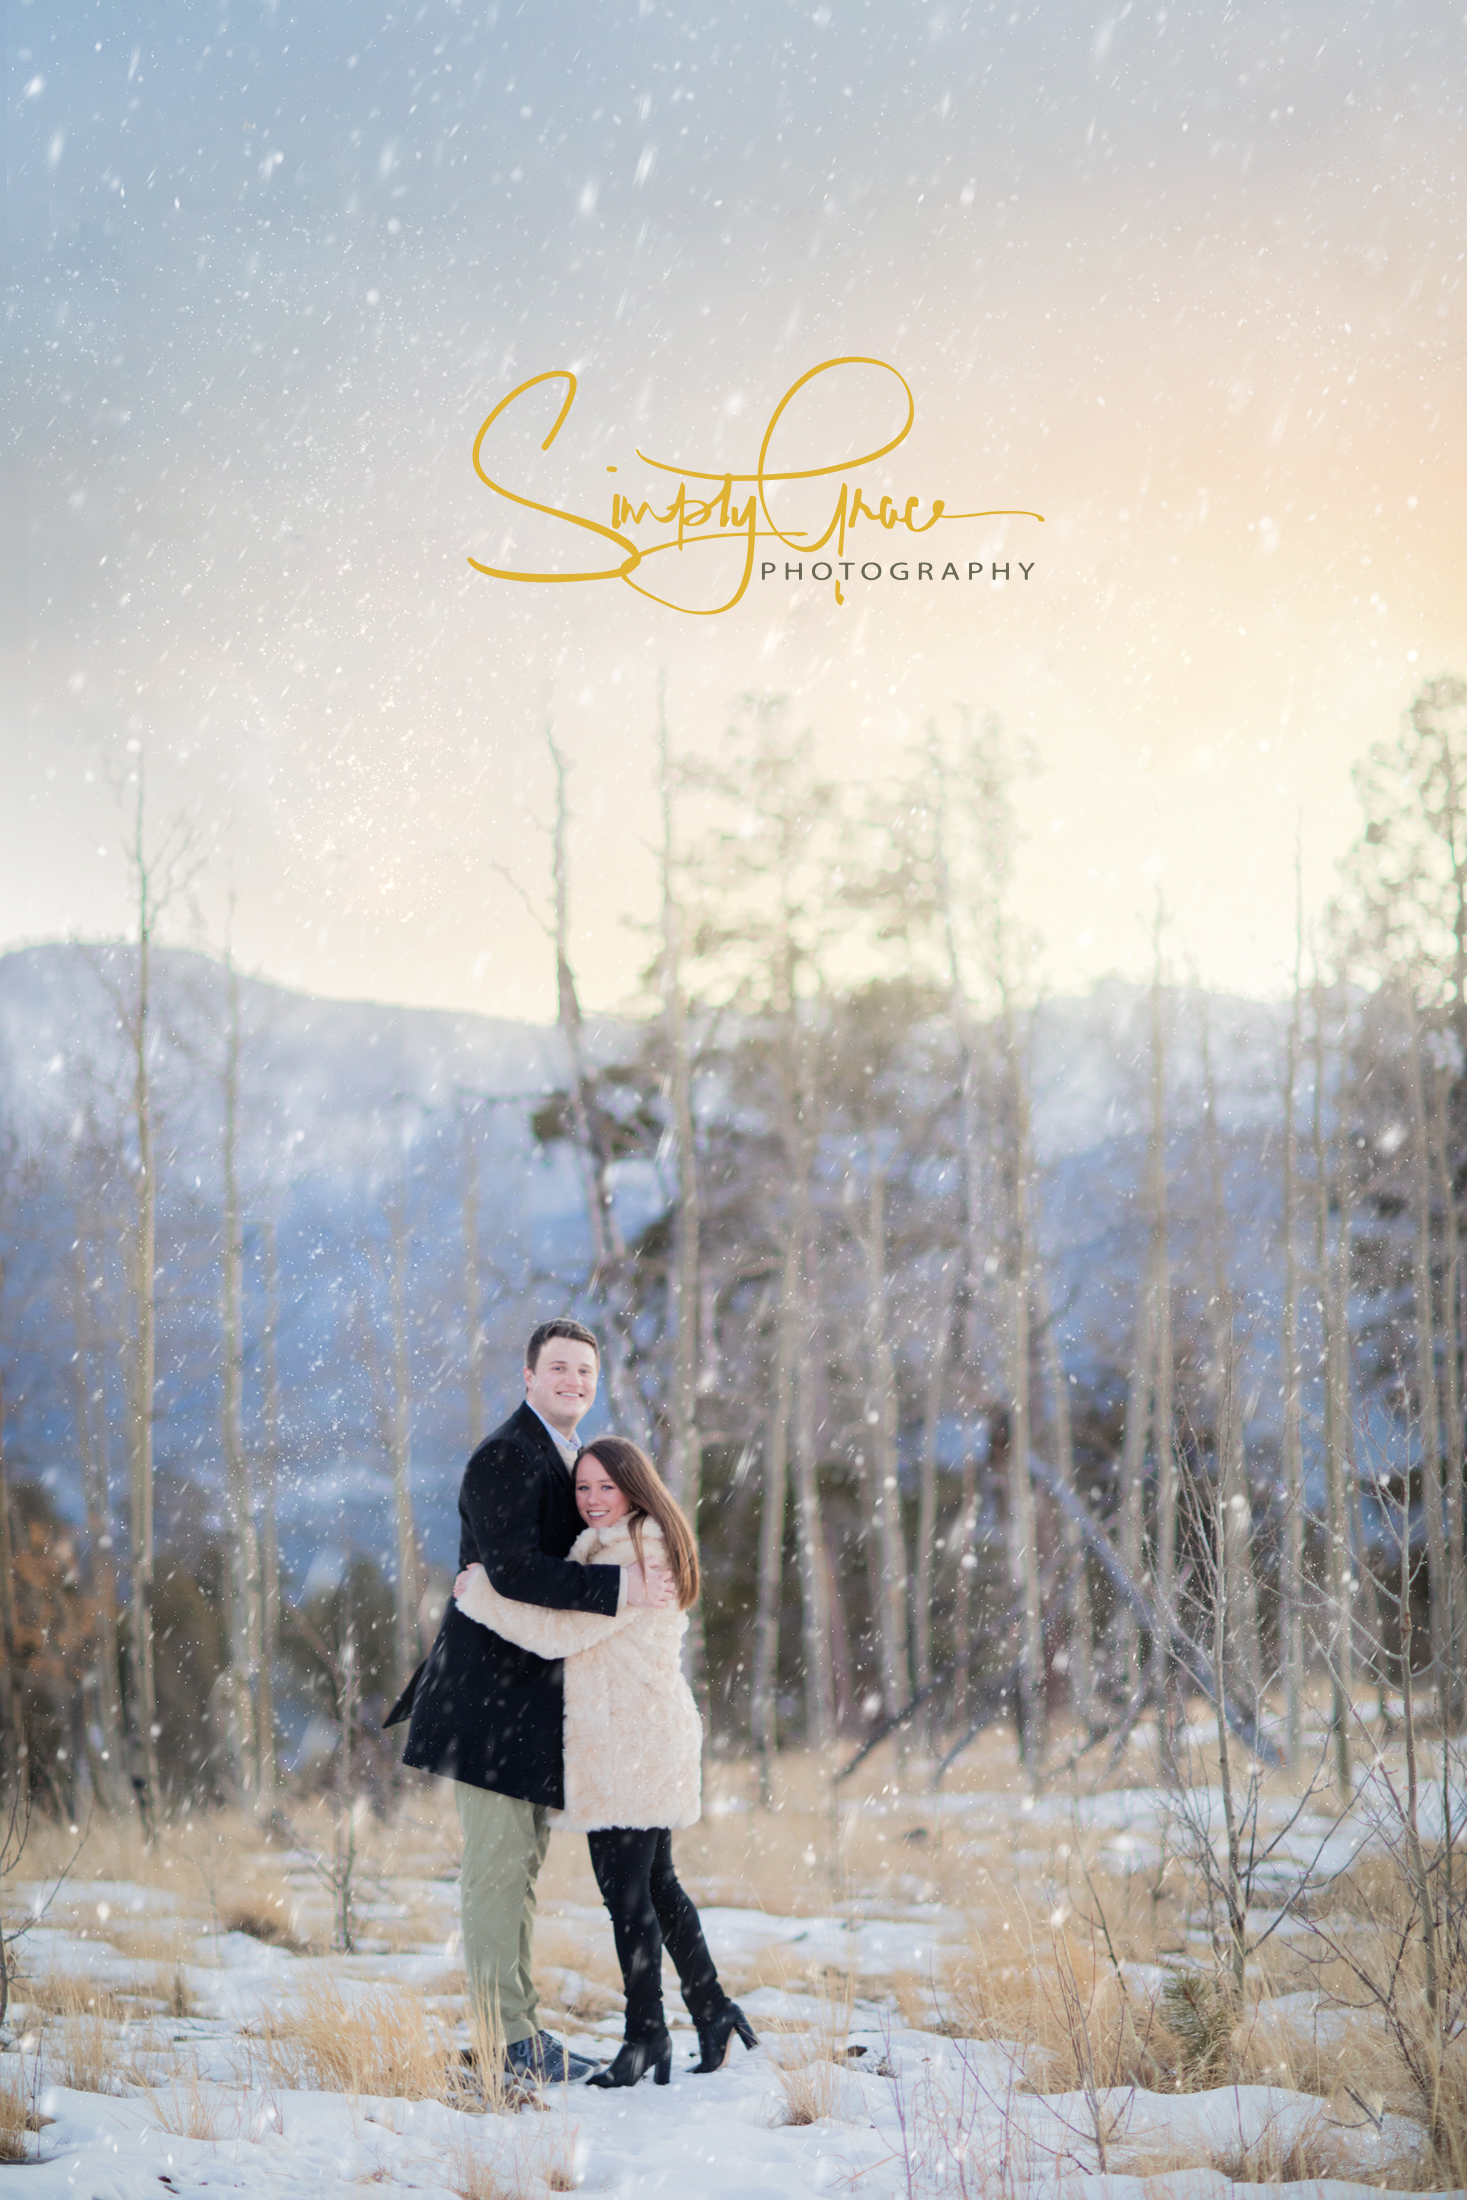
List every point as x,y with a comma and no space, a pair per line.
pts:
633,1750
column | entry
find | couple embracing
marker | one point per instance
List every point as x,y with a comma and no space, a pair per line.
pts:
554,1697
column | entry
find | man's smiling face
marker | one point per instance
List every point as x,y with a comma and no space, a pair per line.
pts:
562,1383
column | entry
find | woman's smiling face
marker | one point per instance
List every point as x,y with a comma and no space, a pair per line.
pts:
598,1500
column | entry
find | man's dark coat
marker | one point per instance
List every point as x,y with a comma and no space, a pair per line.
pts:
482,1710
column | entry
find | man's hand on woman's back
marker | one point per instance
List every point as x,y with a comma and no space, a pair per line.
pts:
648,1589
651,1588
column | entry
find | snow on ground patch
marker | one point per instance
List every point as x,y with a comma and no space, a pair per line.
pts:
892,2110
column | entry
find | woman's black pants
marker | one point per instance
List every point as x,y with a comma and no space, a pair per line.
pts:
650,1912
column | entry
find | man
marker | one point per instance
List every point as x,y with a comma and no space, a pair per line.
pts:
487,1715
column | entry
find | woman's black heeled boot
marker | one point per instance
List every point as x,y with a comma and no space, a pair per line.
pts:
634,2058
714,2036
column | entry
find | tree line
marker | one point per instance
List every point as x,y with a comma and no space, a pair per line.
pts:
951,1458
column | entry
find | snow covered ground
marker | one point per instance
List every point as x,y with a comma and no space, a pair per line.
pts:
159,2046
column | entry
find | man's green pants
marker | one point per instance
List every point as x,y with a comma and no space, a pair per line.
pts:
505,1841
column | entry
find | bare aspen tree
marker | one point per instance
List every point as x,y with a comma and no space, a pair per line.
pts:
1291,1552
156,873
967,1566
1139,1383
1332,1316
266,1485
1080,1644
409,1587
1023,1517
1238,1588
583,1132
243,1558
885,1538
473,1289
144,1358
1342,1369
816,1594
1164,1442
608,1249
975,1218
17,1769
795,1102
685,1461
764,909
1408,876
16,1748
969,805
1149,1397
1428,1406
938,1349
773,1511
1452,1286
89,1414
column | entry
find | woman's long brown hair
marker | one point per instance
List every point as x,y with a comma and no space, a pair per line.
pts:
650,1499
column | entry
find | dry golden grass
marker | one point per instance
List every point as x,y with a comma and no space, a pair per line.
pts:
71,1994
538,2157
15,2116
497,2093
1295,2153
167,1941
808,2058
83,2052
170,1989
383,2043
446,1985
1289,2051
265,1917
477,2174
1062,2002
188,2107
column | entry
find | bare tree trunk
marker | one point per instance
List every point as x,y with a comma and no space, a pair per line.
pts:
975,1247
815,1595
966,1566
1426,1384
269,1540
143,1366
1023,1521
1133,1466
1291,1553
884,1528
685,1466
842,1675
763,1701
89,1411
1080,1642
937,1359
409,1587
1164,1424
1451,1305
243,1580
1235,1515
608,1250
474,1371
1341,1631
10,1703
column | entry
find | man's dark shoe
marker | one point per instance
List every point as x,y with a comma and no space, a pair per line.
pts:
544,2061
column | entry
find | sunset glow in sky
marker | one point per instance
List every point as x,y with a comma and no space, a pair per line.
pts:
1187,281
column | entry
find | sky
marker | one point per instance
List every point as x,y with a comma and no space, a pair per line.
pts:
1187,281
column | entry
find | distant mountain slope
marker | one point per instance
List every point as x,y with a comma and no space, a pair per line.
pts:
343,1101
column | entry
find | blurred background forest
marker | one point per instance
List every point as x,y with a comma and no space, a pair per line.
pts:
953,1313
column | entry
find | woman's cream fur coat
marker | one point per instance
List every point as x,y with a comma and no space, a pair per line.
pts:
633,1737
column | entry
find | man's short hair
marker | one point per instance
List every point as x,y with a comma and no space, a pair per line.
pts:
577,1332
